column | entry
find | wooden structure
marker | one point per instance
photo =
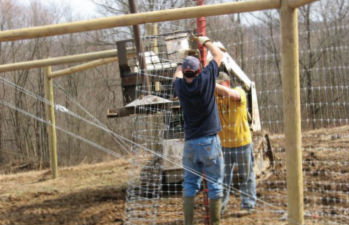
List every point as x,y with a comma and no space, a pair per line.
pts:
290,67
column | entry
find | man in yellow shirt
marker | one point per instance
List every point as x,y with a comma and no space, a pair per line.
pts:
236,141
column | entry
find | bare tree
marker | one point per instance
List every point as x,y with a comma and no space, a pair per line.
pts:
319,47
2,155
117,7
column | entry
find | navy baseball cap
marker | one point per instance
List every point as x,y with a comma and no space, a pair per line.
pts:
190,63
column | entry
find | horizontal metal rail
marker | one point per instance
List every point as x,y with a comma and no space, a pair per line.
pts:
299,3
82,67
139,18
58,60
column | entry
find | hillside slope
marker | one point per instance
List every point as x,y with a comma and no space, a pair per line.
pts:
95,194
87,194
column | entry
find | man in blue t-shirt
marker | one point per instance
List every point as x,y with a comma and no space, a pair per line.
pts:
202,150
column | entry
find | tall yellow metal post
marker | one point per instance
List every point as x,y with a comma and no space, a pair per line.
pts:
50,114
292,115
155,40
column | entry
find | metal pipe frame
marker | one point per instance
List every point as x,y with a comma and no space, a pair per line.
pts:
82,67
58,60
292,112
139,18
290,68
51,129
298,3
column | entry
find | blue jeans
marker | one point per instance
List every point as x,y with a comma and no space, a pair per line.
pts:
243,157
203,155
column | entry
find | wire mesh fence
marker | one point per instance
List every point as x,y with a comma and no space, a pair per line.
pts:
155,193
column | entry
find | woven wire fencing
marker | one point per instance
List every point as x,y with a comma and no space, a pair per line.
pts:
154,194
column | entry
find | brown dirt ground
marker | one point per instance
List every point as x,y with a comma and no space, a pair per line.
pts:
95,194
87,194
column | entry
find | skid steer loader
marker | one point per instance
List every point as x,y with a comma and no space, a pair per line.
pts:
172,137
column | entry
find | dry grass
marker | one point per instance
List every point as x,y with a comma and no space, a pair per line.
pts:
113,173
87,194
95,194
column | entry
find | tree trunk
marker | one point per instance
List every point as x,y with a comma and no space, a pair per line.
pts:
1,153
310,98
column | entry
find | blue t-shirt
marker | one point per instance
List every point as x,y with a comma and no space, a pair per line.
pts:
198,102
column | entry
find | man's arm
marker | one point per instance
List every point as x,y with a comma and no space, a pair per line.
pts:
228,92
178,73
216,52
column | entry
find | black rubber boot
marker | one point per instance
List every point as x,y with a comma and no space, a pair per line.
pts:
188,210
215,211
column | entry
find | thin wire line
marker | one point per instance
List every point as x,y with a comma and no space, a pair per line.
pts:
73,100
197,173
44,100
106,150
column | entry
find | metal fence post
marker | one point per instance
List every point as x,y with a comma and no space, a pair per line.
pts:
50,116
292,112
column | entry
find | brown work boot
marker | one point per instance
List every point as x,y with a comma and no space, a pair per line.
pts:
188,210
215,211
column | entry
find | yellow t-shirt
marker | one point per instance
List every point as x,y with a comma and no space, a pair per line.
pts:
233,115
